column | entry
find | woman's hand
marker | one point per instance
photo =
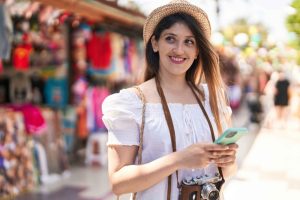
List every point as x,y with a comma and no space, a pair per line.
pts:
226,158
200,155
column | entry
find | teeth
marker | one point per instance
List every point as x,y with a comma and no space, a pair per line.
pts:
177,59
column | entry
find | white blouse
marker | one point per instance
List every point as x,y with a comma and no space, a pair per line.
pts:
122,115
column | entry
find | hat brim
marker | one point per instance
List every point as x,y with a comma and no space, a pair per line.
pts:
159,13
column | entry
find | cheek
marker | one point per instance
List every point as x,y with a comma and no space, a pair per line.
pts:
196,52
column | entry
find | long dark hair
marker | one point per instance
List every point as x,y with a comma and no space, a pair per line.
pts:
204,68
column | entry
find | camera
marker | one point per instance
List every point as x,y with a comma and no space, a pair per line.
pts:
207,188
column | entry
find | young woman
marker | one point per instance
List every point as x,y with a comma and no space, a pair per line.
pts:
182,68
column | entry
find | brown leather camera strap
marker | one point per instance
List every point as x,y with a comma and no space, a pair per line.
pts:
171,129
193,88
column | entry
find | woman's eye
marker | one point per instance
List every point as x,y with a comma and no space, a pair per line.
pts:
190,42
170,39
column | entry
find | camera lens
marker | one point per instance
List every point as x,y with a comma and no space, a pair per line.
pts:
209,192
214,195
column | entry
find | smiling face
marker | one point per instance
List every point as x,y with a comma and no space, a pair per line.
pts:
177,49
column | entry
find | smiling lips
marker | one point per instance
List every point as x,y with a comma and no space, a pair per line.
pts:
177,60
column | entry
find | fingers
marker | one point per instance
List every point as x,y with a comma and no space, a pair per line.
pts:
202,154
225,161
216,147
233,146
224,153
223,157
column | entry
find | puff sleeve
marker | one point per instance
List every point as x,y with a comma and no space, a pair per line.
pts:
121,116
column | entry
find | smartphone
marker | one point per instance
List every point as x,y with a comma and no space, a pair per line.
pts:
231,135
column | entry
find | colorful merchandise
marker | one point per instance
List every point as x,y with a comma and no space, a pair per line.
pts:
68,127
33,119
79,89
21,56
20,88
1,66
98,96
82,130
99,51
91,122
16,163
56,92
6,32
37,88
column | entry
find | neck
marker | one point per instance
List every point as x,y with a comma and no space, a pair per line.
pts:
173,83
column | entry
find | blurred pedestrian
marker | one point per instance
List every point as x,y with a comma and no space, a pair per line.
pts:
170,151
268,100
282,96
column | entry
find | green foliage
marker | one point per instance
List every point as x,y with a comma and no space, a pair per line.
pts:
293,23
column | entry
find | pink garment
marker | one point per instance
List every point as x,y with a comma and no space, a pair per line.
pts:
33,119
1,66
98,95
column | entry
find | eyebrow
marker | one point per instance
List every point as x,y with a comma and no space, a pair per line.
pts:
172,34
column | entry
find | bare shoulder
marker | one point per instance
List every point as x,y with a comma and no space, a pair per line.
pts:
148,86
149,90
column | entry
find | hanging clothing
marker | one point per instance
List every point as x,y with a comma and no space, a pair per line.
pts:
33,118
42,158
68,127
98,96
56,92
95,98
21,57
117,42
127,55
104,72
81,126
6,32
99,51
37,87
20,88
1,66
49,141
91,122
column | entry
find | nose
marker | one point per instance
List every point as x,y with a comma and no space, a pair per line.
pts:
178,48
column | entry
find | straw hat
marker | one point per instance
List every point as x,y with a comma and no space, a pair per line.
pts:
175,6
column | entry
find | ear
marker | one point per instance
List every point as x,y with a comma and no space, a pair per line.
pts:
154,44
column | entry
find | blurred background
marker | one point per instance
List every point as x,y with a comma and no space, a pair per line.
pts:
60,59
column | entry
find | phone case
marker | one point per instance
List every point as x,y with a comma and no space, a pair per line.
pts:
231,135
